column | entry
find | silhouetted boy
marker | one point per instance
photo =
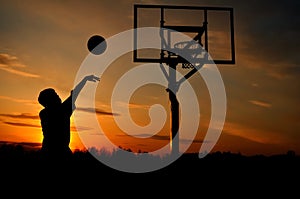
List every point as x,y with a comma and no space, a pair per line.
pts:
55,121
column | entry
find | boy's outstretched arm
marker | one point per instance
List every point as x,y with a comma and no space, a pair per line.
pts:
81,84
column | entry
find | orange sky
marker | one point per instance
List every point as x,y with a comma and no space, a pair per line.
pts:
43,44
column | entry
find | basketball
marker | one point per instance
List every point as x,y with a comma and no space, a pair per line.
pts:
96,44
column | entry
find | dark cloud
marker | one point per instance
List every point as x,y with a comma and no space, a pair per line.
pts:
197,141
97,111
20,116
32,144
156,137
80,128
160,137
22,124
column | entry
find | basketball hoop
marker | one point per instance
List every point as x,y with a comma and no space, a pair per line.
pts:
192,50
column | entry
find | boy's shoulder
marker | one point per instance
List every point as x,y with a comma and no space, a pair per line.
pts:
69,99
42,112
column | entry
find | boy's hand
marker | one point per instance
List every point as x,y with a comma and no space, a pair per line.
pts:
92,78
81,84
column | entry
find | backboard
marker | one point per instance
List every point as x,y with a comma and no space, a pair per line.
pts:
211,27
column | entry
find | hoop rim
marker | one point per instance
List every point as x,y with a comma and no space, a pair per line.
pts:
185,43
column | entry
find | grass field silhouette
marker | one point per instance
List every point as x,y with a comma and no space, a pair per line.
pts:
216,171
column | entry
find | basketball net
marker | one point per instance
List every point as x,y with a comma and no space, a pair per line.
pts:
192,50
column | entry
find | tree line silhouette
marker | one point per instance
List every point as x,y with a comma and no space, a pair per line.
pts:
12,154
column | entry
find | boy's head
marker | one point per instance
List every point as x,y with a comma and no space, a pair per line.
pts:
48,97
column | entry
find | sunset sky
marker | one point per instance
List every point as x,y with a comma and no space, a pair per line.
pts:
43,44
